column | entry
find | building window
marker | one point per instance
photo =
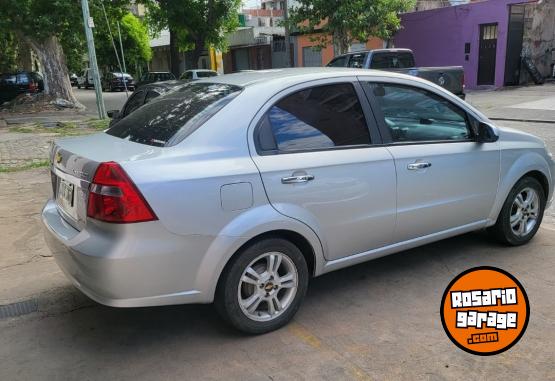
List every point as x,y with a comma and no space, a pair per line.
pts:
490,32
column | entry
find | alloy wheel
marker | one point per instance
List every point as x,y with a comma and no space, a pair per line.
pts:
524,212
267,286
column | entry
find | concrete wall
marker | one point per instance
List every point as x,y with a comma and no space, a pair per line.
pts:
438,36
539,37
306,40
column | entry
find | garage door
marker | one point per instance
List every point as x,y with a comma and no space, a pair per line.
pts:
312,57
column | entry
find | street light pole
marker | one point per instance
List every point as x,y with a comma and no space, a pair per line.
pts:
89,24
121,48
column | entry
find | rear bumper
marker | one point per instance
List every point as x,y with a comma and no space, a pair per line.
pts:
132,265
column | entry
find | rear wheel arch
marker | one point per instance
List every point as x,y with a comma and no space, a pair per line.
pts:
301,242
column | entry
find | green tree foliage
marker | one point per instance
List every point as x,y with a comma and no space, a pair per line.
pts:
135,40
348,21
54,30
9,51
194,24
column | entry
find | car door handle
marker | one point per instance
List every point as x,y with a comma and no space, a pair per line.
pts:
417,166
297,179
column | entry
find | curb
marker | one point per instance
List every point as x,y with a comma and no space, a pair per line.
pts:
523,120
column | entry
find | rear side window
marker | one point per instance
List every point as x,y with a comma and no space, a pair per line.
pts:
206,74
317,118
357,60
134,102
151,95
338,62
167,120
392,61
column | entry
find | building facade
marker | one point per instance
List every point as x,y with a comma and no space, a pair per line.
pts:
486,38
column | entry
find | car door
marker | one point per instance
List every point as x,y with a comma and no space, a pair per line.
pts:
445,179
317,154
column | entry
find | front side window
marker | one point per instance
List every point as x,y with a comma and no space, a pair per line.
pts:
168,119
316,118
416,115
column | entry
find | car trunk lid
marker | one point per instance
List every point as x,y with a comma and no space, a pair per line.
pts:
74,163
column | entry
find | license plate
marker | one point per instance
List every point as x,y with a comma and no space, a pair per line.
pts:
66,195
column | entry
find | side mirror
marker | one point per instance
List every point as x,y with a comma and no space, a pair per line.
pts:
485,133
112,113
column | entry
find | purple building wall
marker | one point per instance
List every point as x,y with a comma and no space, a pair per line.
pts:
438,36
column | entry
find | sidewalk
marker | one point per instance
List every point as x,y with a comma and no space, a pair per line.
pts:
522,104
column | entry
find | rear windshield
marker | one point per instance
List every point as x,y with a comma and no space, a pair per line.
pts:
392,61
206,74
170,118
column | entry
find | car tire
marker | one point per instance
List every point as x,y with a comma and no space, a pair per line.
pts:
79,86
521,214
282,285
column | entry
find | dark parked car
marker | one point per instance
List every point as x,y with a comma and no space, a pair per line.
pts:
112,81
144,94
155,76
73,79
402,61
13,84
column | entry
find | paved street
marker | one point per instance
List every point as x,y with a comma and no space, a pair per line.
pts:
112,100
378,320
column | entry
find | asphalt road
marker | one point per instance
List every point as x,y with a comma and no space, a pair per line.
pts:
379,320
112,100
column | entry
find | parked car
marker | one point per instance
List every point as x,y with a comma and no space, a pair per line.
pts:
113,81
73,79
13,84
196,74
155,76
402,61
141,96
238,189
86,79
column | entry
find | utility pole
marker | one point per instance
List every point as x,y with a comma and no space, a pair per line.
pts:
287,43
89,24
121,48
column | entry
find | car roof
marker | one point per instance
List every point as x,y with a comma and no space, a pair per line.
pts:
298,75
393,50
158,72
202,70
163,85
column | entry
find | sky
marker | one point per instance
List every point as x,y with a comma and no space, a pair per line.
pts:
251,3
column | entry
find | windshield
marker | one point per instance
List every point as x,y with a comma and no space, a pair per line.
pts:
170,118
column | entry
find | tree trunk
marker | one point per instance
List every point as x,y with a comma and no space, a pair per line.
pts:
196,53
52,59
174,54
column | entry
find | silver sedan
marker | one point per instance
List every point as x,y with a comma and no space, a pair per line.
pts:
237,189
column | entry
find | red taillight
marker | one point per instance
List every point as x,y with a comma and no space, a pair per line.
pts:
114,198
33,87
